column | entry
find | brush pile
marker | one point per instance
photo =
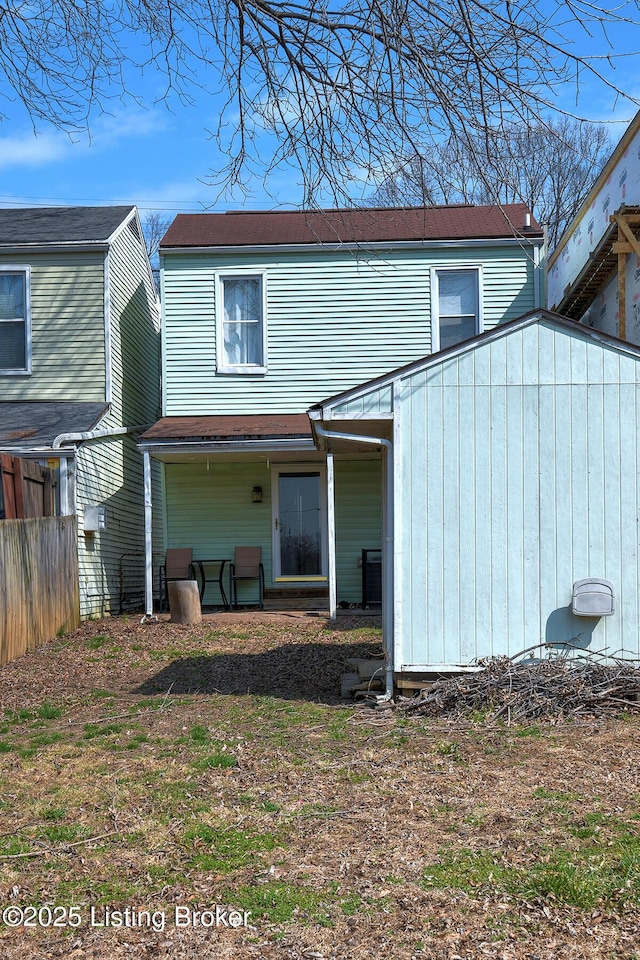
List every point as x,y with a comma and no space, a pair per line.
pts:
550,689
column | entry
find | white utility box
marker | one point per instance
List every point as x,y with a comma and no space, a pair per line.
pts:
592,598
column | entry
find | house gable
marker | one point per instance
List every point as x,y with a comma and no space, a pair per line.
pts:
370,399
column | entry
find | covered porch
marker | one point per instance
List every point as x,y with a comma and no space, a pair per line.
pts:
260,480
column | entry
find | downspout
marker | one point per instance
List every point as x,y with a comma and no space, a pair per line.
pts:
64,438
387,566
148,542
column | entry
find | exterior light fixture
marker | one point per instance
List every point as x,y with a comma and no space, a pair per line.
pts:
256,495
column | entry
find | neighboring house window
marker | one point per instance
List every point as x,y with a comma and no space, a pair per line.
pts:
241,323
456,312
15,321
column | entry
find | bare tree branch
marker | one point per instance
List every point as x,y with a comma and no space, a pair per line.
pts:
154,227
549,166
339,88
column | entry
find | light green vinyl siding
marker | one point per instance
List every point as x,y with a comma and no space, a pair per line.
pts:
67,329
135,332
334,320
110,472
358,522
210,509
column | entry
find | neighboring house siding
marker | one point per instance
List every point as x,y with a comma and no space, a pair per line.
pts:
335,319
517,475
110,472
67,329
135,332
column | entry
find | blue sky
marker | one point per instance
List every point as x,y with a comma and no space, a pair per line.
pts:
161,158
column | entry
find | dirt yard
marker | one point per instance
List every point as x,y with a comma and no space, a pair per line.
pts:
180,792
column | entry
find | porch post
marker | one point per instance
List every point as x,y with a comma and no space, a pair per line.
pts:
148,537
331,531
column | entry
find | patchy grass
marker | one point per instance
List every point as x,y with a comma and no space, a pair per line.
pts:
223,849
583,875
153,765
216,761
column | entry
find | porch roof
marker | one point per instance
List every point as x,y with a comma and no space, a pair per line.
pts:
255,426
33,425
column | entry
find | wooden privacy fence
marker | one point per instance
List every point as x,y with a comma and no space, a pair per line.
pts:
38,582
26,489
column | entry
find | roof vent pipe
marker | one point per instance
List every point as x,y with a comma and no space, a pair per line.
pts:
527,221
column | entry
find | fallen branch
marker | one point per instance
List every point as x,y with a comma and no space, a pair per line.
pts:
55,850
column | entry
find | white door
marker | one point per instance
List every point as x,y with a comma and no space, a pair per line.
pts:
299,523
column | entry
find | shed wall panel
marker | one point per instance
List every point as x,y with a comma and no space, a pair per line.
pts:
518,489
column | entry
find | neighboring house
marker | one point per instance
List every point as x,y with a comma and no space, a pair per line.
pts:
513,475
594,273
79,375
265,314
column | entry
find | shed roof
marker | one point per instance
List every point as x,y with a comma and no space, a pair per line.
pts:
357,226
31,425
44,225
227,427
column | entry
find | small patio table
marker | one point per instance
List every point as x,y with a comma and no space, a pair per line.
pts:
201,563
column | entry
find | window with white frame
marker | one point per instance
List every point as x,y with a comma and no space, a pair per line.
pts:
457,314
15,321
241,323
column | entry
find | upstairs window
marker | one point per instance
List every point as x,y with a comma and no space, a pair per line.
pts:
15,340
457,306
241,323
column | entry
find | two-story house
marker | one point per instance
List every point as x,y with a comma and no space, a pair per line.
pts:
80,376
266,314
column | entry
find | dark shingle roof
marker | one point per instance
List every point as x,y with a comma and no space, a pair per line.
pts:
361,226
42,225
33,425
231,427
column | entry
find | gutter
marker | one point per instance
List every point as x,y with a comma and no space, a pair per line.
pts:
152,445
387,554
535,238
76,246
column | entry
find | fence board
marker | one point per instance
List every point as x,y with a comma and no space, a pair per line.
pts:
27,488
38,582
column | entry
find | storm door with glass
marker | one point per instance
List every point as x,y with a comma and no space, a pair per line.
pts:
299,521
